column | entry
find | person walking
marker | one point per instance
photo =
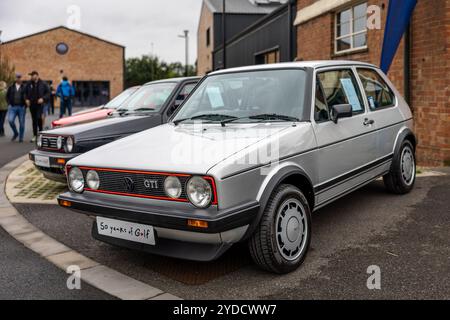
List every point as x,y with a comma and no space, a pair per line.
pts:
16,101
65,92
3,107
37,94
52,99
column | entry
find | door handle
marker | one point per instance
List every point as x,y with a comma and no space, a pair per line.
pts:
368,122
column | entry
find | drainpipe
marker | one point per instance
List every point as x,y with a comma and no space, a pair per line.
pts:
291,29
224,34
407,65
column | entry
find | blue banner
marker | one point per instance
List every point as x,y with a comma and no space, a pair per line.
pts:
398,18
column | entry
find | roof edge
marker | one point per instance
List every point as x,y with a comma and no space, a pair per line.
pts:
66,28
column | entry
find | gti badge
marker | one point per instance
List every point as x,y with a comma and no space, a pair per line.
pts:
129,184
151,184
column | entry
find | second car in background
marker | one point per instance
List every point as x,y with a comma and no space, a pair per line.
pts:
98,113
150,106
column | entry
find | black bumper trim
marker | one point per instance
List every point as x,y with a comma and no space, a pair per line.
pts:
169,248
228,220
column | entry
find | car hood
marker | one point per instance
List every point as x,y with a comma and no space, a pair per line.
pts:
182,149
82,118
110,127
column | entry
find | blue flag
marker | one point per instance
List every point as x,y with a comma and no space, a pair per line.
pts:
399,15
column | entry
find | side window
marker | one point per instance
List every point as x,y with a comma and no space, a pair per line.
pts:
182,95
321,108
336,87
378,93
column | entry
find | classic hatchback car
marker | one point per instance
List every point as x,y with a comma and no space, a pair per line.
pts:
95,114
150,106
248,157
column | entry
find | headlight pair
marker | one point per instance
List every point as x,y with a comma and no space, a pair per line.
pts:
68,145
198,190
77,181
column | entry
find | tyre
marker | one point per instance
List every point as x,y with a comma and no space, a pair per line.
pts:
282,238
402,176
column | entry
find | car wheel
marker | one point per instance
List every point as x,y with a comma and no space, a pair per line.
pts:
402,177
282,238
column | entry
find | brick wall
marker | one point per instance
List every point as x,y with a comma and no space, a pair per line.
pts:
204,52
430,67
88,58
430,76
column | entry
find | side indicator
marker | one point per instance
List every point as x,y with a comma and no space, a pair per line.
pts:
64,203
198,224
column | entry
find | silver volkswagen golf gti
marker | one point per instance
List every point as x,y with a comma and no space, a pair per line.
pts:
248,157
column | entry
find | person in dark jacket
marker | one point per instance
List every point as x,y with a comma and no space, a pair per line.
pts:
3,107
37,93
65,92
16,101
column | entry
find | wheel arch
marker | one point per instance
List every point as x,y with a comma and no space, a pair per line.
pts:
405,134
290,174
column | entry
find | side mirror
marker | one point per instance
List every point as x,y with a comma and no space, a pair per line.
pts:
341,111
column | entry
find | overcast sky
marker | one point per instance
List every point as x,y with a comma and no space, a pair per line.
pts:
132,23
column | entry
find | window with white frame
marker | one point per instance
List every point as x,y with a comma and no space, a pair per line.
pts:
351,28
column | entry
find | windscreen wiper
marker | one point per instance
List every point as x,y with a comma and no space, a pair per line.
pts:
212,117
265,116
141,110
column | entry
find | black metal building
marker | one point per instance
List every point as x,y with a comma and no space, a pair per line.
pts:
270,39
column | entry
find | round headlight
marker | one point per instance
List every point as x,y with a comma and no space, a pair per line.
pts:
59,143
76,180
39,141
69,144
199,192
172,186
93,180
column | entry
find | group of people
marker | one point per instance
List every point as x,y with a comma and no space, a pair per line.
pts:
37,96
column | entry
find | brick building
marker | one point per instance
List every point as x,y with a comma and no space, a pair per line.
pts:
338,29
335,29
95,66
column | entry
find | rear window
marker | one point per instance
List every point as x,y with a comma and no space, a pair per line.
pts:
378,93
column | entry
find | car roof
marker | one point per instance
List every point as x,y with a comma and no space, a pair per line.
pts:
177,80
300,64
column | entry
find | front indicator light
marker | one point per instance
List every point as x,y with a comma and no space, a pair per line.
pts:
198,224
64,203
61,161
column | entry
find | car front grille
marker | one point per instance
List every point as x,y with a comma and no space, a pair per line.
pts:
49,142
138,184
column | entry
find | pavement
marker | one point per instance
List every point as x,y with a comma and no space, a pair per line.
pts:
406,237
24,274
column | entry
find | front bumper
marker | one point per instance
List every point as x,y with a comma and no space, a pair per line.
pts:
56,170
174,238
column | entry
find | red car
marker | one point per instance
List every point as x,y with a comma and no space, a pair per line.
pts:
98,113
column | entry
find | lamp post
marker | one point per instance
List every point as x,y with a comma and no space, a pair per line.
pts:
185,36
1,45
224,34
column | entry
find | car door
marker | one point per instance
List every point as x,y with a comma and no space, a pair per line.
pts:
383,108
345,148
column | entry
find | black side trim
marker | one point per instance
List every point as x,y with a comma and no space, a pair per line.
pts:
352,174
325,203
